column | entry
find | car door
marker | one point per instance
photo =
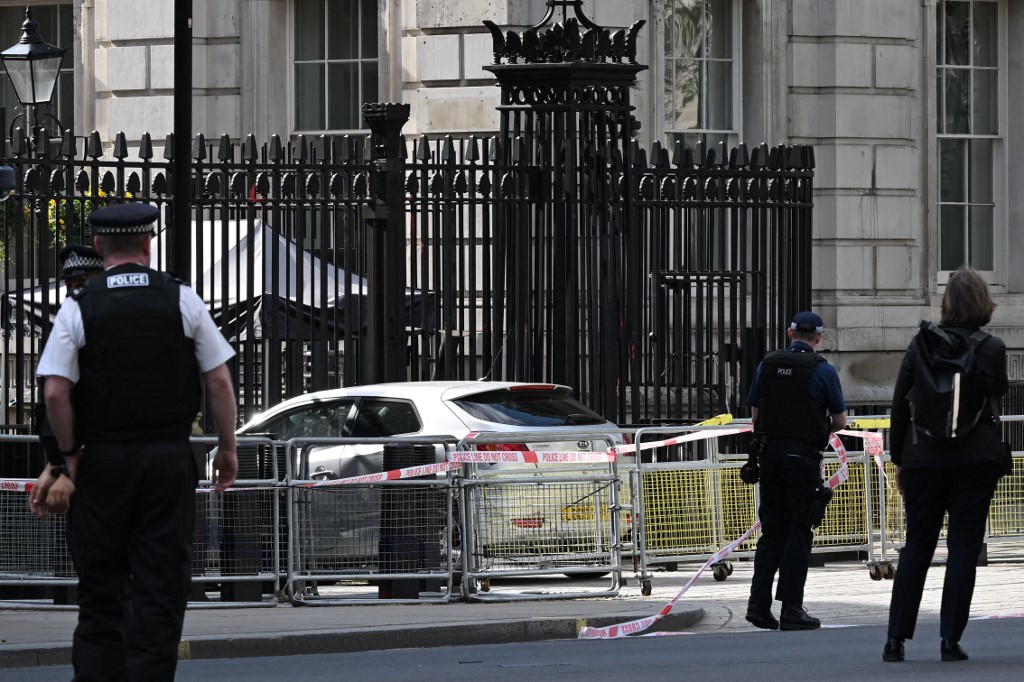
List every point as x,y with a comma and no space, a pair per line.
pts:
321,419
377,418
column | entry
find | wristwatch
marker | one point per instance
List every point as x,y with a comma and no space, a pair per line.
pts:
59,470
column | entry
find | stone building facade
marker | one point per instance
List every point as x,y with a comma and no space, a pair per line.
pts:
907,104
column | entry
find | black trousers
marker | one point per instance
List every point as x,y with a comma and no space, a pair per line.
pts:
965,492
787,487
130,536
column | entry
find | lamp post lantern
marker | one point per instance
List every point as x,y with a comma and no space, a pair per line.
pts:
8,182
32,66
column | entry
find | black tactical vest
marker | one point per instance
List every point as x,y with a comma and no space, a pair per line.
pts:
139,376
786,407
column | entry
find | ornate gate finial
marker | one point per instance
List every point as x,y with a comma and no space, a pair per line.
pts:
564,42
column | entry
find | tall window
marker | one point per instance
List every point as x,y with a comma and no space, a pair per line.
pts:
335,63
55,27
699,70
968,131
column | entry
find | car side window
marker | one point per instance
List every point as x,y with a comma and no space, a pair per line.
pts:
383,418
322,420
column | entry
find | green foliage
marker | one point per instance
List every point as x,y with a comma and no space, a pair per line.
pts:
63,214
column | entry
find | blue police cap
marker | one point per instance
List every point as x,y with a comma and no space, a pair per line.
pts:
79,259
130,218
807,322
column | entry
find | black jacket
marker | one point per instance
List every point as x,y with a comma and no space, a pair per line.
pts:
983,444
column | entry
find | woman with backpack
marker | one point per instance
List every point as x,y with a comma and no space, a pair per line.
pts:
947,446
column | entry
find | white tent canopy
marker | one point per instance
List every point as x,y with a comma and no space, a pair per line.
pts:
257,277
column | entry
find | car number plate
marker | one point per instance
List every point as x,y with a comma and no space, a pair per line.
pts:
582,512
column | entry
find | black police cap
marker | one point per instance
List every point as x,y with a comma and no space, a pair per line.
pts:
131,218
79,259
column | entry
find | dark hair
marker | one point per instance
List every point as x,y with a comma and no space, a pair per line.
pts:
967,302
801,335
122,244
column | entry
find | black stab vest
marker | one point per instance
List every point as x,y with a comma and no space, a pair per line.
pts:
786,407
139,378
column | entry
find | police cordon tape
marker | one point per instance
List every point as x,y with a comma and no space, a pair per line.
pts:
393,475
458,458
678,440
640,625
635,627
530,457
17,486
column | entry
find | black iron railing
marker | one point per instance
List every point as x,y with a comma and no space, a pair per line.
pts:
661,314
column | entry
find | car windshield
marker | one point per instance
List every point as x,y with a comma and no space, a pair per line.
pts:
534,407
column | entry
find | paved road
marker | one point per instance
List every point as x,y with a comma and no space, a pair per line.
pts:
841,594
840,653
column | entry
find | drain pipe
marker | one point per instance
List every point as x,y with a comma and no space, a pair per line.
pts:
85,78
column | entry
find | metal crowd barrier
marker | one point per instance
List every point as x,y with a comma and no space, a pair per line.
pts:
235,541
361,542
847,528
238,538
1006,515
285,531
523,520
34,554
689,500
1005,520
691,506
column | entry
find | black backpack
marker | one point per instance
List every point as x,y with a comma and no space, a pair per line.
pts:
950,395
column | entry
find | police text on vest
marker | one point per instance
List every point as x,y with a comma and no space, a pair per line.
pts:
134,279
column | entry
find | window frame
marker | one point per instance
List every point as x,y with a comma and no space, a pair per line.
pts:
999,161
662,58
293,96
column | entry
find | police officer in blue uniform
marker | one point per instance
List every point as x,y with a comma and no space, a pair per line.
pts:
137,346
796,401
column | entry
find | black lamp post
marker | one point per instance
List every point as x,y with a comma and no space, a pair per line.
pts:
32,66
8,181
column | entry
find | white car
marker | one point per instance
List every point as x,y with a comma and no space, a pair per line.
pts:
339,525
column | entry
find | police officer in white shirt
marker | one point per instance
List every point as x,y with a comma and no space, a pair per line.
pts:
136,345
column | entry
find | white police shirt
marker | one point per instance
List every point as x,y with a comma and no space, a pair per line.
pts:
60,355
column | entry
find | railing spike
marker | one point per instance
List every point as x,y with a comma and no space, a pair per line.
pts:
95,146
225,150
120,151
199,147
276,148
146,147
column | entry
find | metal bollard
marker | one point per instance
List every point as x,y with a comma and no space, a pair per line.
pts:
401,549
